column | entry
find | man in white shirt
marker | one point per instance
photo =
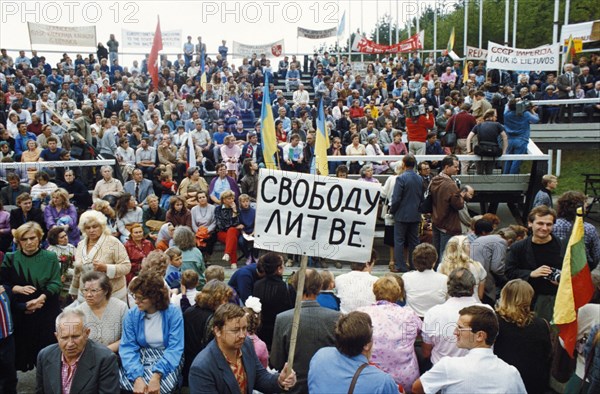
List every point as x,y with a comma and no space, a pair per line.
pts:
440,320
480,370
300,96
355,288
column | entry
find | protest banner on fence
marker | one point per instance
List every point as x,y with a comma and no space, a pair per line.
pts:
316,34
473,53
69,36
274,49
364,45
543,58
144,39
317,216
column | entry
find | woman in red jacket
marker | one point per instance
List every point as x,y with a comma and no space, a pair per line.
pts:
137,248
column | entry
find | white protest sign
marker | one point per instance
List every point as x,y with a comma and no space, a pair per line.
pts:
317,216
474,53
144,39
68,36
273,49
544,58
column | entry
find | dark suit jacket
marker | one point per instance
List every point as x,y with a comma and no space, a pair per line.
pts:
259,153
591,94
562,83
35,215
407,196
317,330
7,196
211,374
114,107
97,371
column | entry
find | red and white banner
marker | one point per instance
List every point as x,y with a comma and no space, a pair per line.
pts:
363,45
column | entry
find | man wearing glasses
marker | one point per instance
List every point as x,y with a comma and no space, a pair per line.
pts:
480,371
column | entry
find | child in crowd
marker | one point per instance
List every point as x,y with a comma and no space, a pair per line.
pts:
218,272
253,308
173,274
327,298
246,239
187,296
166,180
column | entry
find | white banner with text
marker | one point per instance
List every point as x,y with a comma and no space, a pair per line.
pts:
317,216
544,58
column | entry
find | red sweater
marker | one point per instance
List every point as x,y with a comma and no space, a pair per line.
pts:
417,131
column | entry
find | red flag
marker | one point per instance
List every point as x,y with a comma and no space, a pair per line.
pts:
157,45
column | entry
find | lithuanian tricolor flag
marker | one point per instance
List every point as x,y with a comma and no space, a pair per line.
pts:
575,288
570,53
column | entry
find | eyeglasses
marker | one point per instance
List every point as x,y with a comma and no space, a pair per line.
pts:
139,298
92,291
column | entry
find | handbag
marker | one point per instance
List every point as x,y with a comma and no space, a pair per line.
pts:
449,139
487,149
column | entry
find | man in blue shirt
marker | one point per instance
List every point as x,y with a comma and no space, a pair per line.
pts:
21,140
332,369
517,127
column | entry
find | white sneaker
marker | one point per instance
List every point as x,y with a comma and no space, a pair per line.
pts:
233,266
289,263
226,257
249,261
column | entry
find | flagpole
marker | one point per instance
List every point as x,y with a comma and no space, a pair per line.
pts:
506,16
362,27
435,12
349,33
514,43
567,9
480,25
397,22
377,21
390,25
466,2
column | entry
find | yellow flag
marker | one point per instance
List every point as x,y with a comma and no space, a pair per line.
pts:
267,123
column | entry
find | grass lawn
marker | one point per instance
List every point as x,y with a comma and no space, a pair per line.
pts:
574,163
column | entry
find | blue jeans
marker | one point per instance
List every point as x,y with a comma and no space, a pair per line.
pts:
516,146
440,239
405,234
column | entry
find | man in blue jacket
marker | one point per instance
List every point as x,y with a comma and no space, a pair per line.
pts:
406,198
517,127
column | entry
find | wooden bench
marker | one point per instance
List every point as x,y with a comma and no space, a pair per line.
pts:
566,133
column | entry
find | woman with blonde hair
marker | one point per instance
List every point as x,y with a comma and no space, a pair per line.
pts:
456,255
60,212
523,340
32,274
100,251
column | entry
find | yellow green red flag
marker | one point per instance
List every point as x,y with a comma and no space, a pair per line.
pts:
575,288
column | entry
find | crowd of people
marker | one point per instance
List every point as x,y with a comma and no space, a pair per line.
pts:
123,272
